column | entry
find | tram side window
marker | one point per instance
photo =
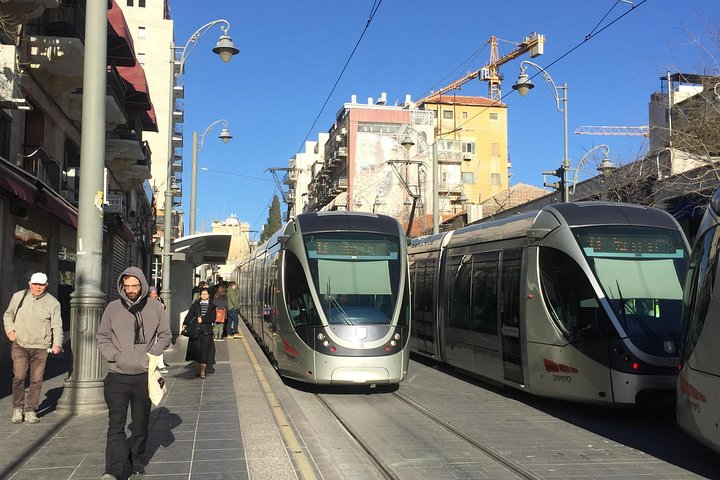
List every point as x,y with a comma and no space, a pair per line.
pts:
569,296
301,309
460,276
702,270
484,297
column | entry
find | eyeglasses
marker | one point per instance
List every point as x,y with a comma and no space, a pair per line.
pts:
131,287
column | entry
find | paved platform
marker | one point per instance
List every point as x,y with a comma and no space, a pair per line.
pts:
196,432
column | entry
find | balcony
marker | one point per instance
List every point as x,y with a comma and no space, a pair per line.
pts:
178,91
342,152
10,95
53,45
16,12
41,165
339,185
115,93
178,112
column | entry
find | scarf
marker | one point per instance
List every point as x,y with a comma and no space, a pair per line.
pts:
136,310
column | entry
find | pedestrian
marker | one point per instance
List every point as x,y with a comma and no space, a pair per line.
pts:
221,305
201,349
196,290
33,324
233,300
153,293
131,327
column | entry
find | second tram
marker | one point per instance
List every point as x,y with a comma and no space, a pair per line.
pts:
698,389
579,301
327,297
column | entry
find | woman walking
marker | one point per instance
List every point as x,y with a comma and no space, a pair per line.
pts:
201,349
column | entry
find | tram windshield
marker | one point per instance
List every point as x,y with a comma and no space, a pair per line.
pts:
356,275
641,270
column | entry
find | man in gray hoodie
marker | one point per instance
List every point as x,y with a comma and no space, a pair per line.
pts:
33,324
131,327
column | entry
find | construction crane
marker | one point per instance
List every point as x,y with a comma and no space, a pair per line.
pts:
641,131
490,73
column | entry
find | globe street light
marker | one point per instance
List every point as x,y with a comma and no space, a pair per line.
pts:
523,86
225,136
606,165
225,49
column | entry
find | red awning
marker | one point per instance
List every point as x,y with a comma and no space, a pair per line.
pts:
135,77
120,47
19,183
148,119
138,96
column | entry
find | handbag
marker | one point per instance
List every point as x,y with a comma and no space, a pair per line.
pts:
220,314
156,383
192,330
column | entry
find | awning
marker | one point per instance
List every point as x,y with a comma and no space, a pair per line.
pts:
203,248
120,47
33,192
137,98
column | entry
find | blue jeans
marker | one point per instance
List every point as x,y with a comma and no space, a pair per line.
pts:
232,322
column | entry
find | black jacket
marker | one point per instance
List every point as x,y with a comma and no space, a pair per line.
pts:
207,320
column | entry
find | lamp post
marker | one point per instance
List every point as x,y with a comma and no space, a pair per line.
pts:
83,392
225,136
225,49
523,86
605,168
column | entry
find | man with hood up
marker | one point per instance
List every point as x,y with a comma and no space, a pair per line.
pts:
131,327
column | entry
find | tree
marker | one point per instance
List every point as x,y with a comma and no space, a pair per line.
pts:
274,221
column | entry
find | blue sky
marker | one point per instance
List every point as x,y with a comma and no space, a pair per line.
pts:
291,53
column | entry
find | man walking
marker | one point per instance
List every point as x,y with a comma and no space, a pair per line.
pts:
34,325
233,298
131,327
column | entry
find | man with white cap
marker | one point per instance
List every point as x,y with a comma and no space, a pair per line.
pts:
34,326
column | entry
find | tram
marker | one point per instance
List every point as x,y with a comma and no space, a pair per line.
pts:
579,301
328,298
698,387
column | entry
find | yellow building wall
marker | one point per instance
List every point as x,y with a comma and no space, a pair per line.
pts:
487,127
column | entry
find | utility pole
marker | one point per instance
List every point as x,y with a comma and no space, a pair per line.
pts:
84,391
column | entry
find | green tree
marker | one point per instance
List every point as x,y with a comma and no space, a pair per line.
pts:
274,221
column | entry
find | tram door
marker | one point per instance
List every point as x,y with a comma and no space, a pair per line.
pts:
423,306
510,315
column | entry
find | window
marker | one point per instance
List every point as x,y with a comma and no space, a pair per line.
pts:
493,117
468,177
494,179
468,147
130,3
141,3
459,281
464,115
448,114
141,58
484,297
495,150
5,125
141,32
301,309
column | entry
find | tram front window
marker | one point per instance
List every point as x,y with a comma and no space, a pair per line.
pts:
356,275
640,270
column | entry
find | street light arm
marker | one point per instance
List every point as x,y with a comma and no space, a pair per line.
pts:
581,162
202,137
549,81
195,37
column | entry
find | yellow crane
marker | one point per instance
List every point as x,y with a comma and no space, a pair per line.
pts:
533,43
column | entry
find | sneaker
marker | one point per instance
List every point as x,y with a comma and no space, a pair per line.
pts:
31,417
108,476
219,340
17,416
237,335
163,370
138,470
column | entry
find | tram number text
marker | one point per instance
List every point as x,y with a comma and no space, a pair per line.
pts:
693,407
562,378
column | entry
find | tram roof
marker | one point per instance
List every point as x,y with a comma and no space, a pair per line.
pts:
347,221
595,213
203,248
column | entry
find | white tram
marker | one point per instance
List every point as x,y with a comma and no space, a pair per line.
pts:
327,297
698,387
579,301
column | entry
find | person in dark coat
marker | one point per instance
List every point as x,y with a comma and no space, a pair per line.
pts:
201,350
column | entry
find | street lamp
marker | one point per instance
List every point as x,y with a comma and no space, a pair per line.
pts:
523,86
225,49
225,136
606,165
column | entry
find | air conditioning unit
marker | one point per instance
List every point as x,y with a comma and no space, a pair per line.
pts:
114,204
467,156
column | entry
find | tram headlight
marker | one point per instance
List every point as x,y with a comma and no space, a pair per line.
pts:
321,336
393,343
397,336
325,343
